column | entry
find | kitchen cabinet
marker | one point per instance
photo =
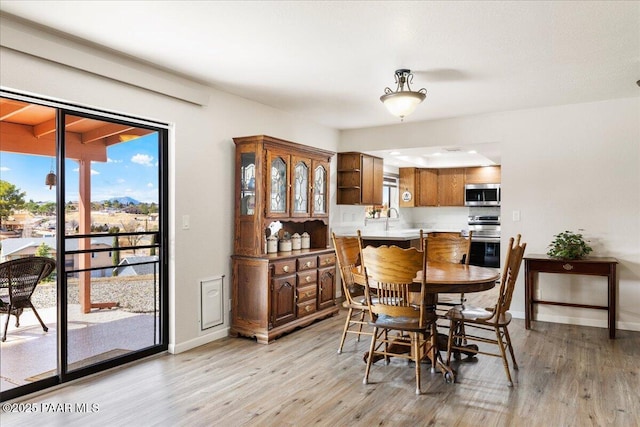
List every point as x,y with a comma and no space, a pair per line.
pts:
360,178
275,293
428,191
408,183
278,293
431,187
483,175
451,187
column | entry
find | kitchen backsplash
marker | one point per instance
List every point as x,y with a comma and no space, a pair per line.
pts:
350,218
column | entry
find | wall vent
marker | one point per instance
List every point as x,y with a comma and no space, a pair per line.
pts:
211,302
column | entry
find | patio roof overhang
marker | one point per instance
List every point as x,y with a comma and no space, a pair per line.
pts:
31,129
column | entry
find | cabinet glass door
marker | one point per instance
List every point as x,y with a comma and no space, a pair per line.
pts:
320,190
300,188
278,195
247,183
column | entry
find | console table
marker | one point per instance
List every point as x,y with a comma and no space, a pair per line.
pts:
593,266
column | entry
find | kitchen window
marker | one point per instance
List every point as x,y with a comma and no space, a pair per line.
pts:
390,191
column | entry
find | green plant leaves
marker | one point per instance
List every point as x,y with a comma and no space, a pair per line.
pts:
569,245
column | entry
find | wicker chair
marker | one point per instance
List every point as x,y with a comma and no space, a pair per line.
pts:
21,276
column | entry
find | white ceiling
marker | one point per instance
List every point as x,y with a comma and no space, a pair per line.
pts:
329,61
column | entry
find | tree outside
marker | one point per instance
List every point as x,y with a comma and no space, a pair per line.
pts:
43,250
11,199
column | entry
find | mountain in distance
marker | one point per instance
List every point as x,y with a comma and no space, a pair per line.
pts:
125,200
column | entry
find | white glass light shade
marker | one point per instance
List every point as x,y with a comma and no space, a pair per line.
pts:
403,103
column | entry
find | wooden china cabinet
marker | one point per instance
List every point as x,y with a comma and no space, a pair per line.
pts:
280,184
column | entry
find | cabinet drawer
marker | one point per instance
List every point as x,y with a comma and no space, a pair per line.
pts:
284,267
306,263
307,292
305,308
326,260
307,277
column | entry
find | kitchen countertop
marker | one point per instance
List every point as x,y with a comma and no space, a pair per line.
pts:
400,234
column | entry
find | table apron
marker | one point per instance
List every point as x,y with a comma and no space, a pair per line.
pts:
590,269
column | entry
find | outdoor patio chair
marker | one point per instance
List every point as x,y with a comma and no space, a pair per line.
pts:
21,276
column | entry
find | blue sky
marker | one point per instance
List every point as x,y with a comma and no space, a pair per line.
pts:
131,170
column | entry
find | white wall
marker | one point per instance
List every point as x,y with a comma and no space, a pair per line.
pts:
567,167
564,168
201,168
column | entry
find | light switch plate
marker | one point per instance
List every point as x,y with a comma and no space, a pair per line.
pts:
185,222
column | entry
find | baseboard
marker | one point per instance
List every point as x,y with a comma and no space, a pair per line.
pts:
197,342
579,321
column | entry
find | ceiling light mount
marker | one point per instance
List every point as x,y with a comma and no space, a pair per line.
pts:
403,101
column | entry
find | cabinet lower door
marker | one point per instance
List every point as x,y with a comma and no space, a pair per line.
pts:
283,300
327,291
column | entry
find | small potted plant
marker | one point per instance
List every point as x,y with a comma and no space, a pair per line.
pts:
568,245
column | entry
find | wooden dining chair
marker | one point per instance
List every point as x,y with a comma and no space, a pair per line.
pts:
20,277
400,305
348,257
495,319
452,248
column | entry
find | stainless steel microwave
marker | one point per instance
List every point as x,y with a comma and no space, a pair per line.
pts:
482,195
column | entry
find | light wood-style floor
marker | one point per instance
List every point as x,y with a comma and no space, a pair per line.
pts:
569,376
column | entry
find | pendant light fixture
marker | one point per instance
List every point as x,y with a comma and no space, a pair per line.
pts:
51,178
403,101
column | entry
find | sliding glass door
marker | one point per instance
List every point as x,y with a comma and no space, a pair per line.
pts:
108,296
111,240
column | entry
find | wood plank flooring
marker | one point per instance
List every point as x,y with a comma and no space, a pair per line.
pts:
569,376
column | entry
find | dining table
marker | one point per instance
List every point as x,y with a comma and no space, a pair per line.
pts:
444,277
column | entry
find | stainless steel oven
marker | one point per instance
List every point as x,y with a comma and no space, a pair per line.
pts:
485,240
485,253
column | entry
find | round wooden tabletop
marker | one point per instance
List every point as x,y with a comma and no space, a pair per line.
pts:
443,277
453,278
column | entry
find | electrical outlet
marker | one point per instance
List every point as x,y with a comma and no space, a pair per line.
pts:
516,216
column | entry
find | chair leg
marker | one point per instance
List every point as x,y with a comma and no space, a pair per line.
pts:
44,327
504,355
6,323
452,327
387,359
513,356
344,331
370,358
361,318
415,343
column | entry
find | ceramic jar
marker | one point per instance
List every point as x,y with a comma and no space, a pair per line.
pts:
305,241
285,245
272,244
296,242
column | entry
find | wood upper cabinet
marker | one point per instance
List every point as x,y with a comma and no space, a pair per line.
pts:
408,186
284,181
428,191
360,178
301,184
431,187
418,187
451,187
278,184
320,189
297,186
483,175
